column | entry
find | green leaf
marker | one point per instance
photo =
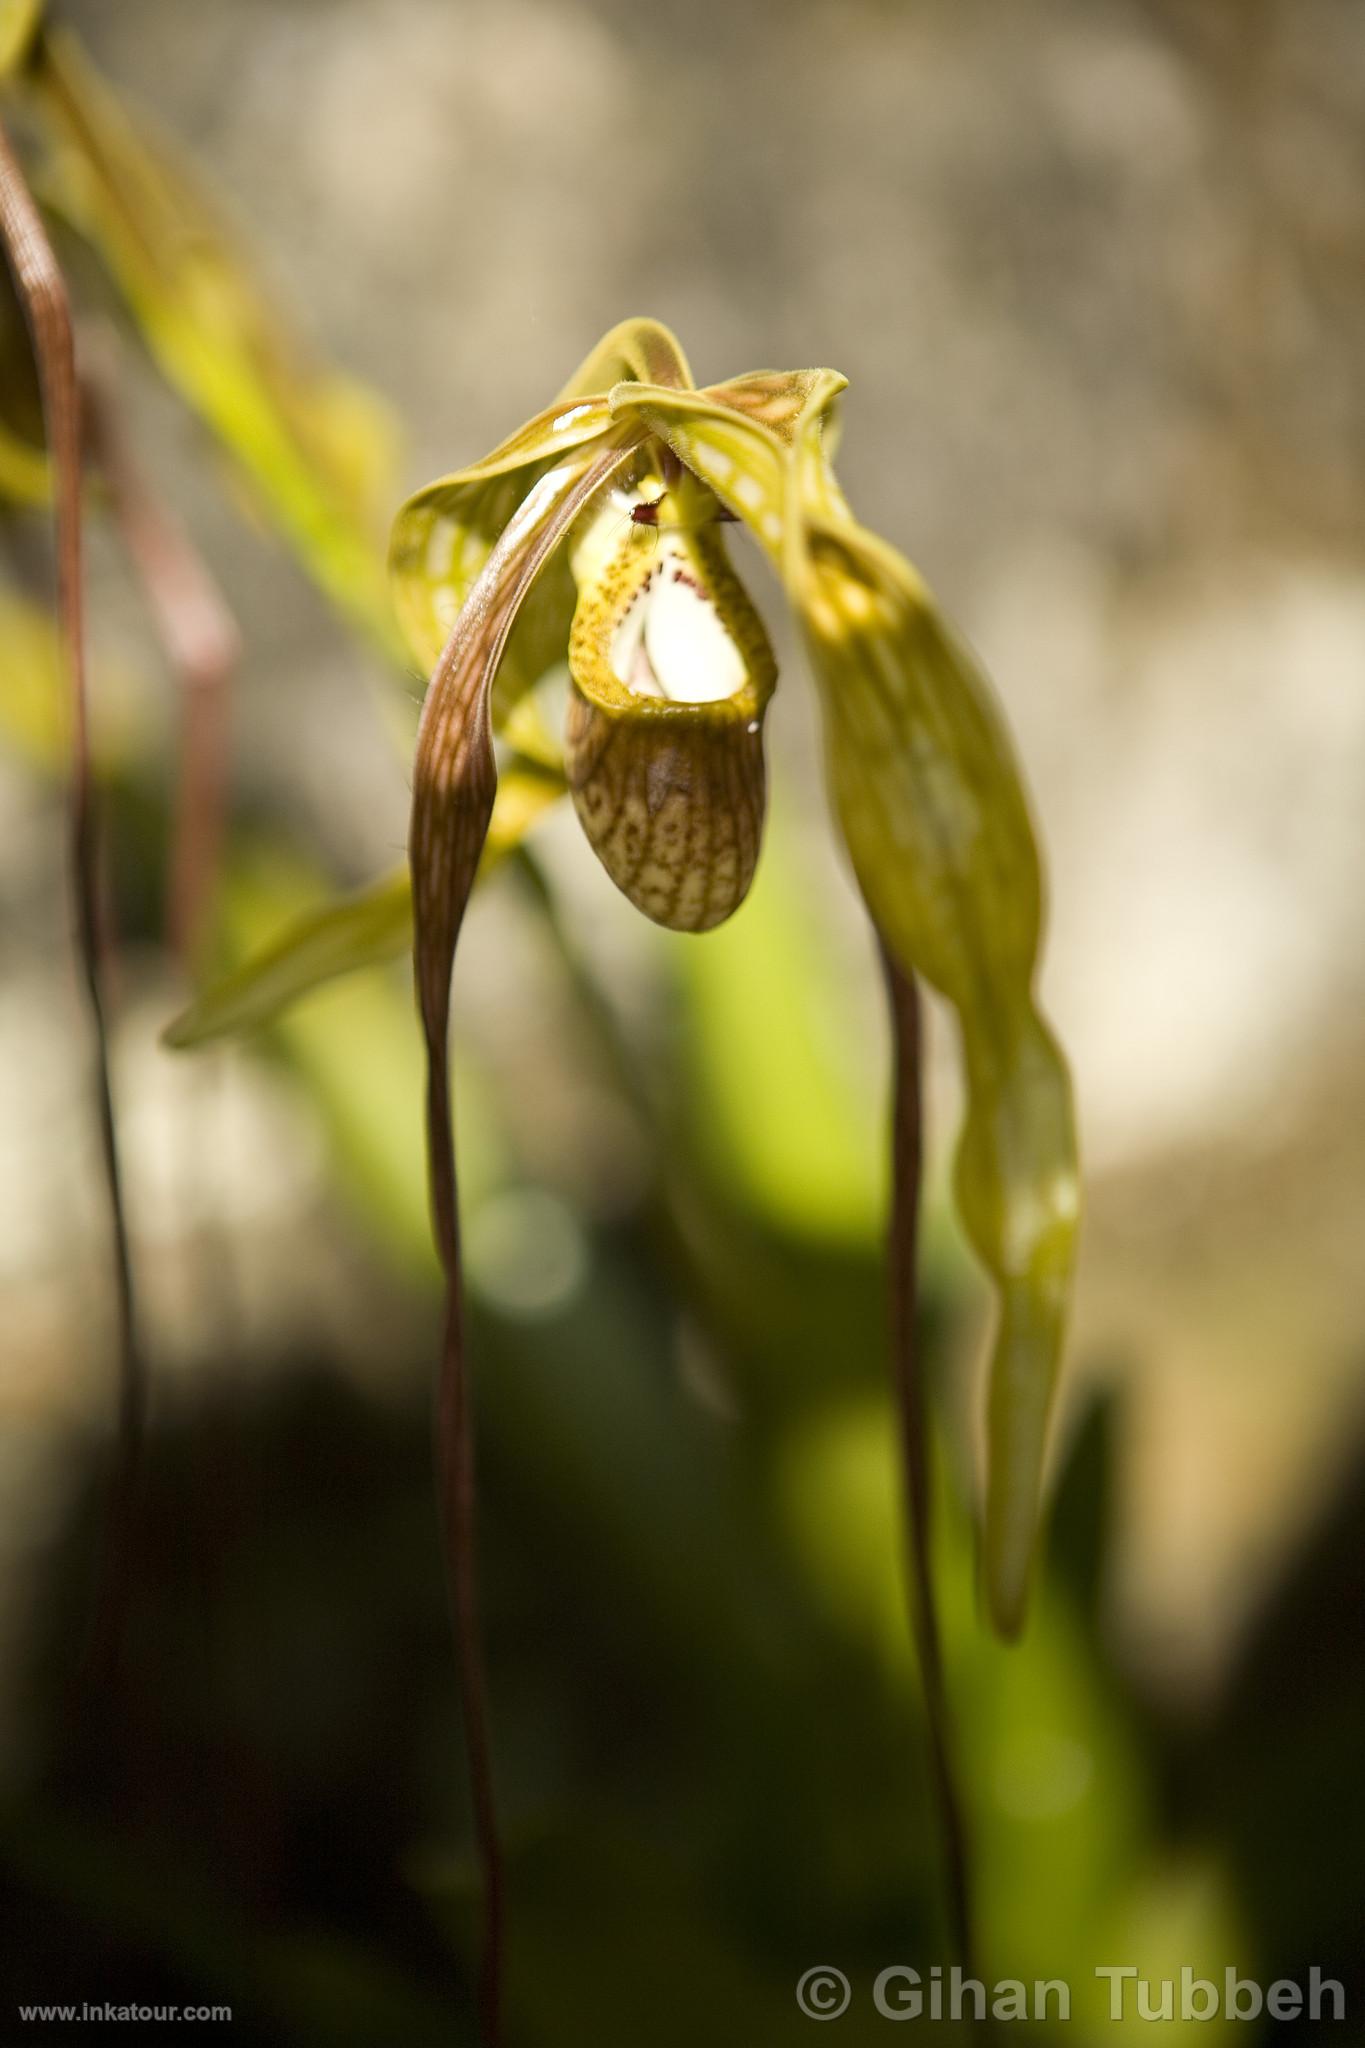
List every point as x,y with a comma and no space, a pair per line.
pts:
35,715
365,930
23,471
318,448
934,816
786,1120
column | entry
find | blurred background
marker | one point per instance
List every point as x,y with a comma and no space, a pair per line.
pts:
1097,278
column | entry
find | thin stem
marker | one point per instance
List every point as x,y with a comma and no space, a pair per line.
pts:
42,291
912,1417
202,644
453,789
459,1513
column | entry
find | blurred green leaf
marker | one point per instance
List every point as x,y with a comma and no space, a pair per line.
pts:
789,1118
18,22
610,1945
319,448
23,470
23,461
35,705
1062,1812
365,930
365,1025
34,709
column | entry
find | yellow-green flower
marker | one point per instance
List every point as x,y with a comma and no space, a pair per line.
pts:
595,535
597,530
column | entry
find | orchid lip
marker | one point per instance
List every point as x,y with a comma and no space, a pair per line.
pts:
671,642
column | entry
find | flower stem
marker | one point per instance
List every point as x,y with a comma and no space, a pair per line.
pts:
454,785
42,291
458,1492
202,645
912,1419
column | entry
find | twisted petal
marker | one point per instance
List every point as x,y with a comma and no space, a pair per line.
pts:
445,533
455,776
443,536
442,540
932,809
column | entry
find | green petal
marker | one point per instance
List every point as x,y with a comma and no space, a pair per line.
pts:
319,449
444,534
737,437
642,351
365,930
936,826
776,399
933,812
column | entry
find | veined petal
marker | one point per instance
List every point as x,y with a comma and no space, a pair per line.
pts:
444,534
933,812
777,399
740,459
454,782
641,350
938,832
452,797
360,931
740,438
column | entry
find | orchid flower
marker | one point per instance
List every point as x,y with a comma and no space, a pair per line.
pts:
598,530
595,534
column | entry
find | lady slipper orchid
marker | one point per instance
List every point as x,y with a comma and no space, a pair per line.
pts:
596,533
598,528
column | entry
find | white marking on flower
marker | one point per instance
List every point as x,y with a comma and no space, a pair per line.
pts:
672,642
566,419
537,502
750,492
